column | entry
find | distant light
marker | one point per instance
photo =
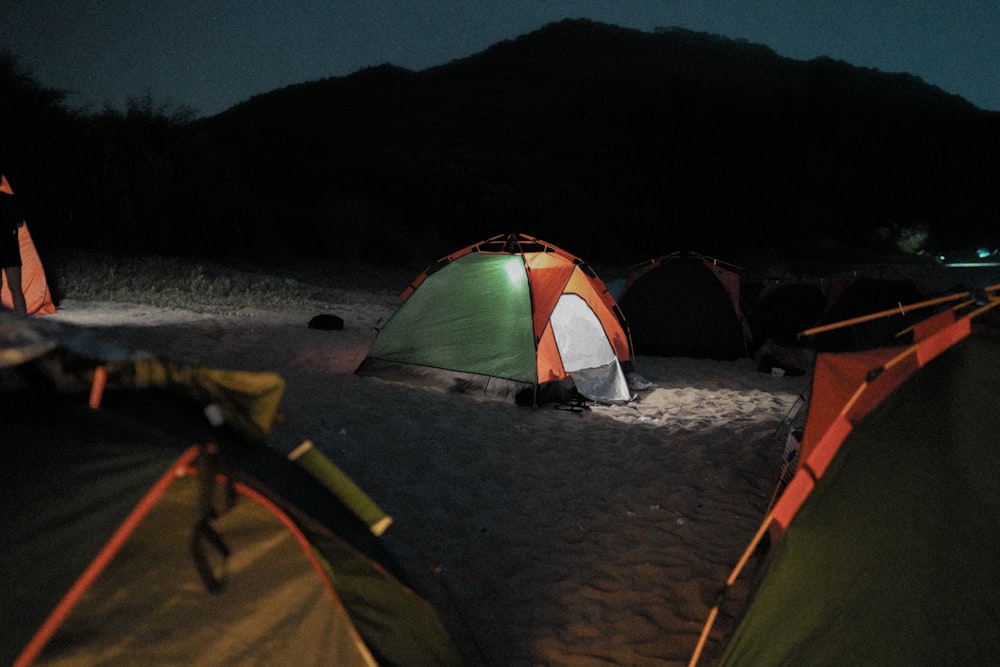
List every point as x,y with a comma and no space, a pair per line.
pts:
983,252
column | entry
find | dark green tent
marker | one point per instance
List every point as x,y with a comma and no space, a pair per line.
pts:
785,310
888,536
685,305
851,297
149,521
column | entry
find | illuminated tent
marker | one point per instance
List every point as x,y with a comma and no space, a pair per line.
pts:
887,539
511,316
685,305
148,521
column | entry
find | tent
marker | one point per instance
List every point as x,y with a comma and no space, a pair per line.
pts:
887,539
685,305
511,316
148,520
854,296
34,284
783,310
37,297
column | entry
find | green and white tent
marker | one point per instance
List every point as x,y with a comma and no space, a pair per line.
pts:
510,316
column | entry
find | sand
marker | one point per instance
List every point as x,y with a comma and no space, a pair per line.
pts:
544,536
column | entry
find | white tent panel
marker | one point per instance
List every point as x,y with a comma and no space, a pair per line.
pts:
586,353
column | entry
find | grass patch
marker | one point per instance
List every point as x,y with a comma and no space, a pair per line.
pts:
219,287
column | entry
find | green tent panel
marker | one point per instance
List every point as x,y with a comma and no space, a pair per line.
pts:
477,312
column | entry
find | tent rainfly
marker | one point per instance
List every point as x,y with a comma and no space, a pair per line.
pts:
34,284
149,522
686,305
887,539
509,317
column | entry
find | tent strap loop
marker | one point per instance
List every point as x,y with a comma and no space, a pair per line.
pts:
204,533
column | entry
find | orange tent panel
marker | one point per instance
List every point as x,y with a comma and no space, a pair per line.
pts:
836,377
33,282
852,385
548,361
548,273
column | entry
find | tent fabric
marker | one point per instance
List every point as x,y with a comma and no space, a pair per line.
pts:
248,402
511,316
891,535
157,604
687,305
849,385
851,297
784,311
477,312
102,506
574,323
34,284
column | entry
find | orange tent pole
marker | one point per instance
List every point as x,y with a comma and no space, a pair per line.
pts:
901,309
97,387
957,306
733,576
993,302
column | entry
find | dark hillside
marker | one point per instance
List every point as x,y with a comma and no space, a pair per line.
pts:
616,144
585,133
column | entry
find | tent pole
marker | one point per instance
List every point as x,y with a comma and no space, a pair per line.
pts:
900,309
733,576
801,397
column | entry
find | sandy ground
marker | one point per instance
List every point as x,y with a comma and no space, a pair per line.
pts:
545,536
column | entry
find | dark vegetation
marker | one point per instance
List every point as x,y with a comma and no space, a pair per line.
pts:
616,144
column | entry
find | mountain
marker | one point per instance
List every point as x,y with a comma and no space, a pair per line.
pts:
616,144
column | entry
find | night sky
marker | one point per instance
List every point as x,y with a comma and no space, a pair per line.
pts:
207,55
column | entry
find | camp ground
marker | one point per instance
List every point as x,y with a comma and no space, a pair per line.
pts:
886,540
511,317
149,521
686,304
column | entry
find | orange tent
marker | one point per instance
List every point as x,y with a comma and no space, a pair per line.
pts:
33,282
